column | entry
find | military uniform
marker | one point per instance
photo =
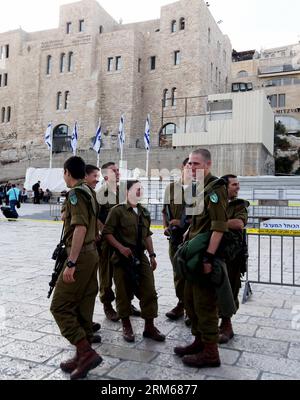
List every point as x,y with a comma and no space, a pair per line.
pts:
174,208
131,230
200,299
106,200
73,304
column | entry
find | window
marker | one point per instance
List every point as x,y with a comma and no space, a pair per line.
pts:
242,74
173,98
100,29
173,26
165,98
5,80
3,115
8,115
62,63
0,80
118,63
81,25
49,62
209,35
152,63
182,24
139,64
273,100
58,101
219,110
219,79
235,87
67,98
4,52
281,100
110,61
217,74
177,57
211,71
68,27
70,61
7,51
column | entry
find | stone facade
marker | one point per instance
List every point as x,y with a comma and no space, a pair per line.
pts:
88,37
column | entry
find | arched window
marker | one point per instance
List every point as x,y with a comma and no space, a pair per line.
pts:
242,74
8,114
62,62
165,98
100,29
166,134
173,98
173,26
70,61
49,64
3,114
61,139
182,24
58,101
67,98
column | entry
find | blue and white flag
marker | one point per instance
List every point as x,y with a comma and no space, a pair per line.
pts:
122,132
74,138
147,134
97,141
48,136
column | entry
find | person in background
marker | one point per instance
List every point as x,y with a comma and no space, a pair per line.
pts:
24,195
13,196
35,189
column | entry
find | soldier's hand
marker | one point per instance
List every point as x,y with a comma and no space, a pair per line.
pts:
207,268
153,263
175,222
167,232
126,252
68,275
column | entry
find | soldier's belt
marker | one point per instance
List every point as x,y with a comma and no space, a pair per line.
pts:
85,249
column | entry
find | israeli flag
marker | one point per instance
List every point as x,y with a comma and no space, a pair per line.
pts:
97,141
122,132
147,134
48,136
74,139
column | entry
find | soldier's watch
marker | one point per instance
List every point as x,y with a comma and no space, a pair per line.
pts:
71,264
152,255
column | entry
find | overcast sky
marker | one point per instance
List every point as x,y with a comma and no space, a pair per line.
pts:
250,24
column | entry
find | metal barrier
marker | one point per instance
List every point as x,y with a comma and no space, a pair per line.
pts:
55,211
273,260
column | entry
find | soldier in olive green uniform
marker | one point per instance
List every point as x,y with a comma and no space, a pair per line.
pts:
175,224
237,220
200,298
127,230
76,289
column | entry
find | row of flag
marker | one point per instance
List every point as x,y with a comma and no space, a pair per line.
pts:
98,137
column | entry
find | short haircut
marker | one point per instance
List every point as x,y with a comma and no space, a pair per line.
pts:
107,165
90,168
131,183
227,177
76,167
206,155
185,162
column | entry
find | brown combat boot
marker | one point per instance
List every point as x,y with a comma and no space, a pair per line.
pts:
69,365
128,334
193,348
176,312
208,357
225,331
151,332
110,313
88,359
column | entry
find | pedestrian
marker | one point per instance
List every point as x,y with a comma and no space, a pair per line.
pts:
77,286
13,197
36,192
24,195
127,230
200,297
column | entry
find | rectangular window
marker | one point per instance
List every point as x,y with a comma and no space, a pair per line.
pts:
176,57
110,62
152,63
7,51
81,25
139,64
281,100
5,80
68,29
118,63
8,115
1,52
0,80
273,100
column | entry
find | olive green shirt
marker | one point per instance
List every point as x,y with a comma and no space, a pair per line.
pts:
174,205
79,210
237,209
106,199
214,215
122,223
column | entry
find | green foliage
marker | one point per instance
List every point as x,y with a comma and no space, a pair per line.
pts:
283,165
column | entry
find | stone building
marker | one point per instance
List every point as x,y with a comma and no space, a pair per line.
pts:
91,67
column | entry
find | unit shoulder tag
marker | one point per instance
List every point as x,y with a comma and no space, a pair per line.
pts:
214,198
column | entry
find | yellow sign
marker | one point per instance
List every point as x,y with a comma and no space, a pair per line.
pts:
273,232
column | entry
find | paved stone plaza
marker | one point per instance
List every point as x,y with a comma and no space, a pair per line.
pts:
266,345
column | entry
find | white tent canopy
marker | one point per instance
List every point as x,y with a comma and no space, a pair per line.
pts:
52,179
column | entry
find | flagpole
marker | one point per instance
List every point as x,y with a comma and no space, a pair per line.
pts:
51,149
98,154
147,165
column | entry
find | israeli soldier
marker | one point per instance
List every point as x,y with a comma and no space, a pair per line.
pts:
108,197
77,286
176,223
127,230
237,220
200,298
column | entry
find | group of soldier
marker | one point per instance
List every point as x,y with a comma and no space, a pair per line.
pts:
109,234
